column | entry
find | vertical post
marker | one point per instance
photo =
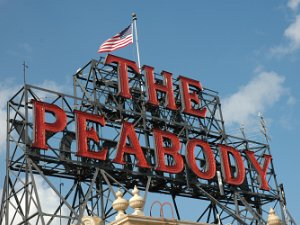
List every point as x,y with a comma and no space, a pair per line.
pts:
27,205
7,177
146,135
61,203
264,131
134,19
74,90
24,71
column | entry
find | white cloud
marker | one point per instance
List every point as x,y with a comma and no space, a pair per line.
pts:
49,202
257,96
293,4
292,34
51,85
8,89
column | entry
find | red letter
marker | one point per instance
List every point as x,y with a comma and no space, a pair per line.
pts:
172,151
166,87
261,171
188,98
128,131
226,166
210,164
123,65
41,127
83,134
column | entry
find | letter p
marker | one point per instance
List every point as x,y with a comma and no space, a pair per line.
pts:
41,127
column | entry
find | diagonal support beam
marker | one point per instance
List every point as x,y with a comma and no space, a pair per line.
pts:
237,217
54,189
87,196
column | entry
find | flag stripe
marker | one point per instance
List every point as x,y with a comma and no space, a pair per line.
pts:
111,43
120,40
115,40
112,48
116,44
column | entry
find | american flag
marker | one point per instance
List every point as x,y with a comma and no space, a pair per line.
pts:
120,40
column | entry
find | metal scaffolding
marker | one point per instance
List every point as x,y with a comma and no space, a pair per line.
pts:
84,186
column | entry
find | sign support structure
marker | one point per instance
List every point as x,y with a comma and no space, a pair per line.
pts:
89,184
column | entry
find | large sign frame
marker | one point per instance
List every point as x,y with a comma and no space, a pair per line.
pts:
160,132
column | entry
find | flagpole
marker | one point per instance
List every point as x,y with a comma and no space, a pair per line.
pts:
134,19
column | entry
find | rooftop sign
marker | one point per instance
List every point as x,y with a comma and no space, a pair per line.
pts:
172,153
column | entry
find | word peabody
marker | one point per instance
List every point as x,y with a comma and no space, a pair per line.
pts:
128,134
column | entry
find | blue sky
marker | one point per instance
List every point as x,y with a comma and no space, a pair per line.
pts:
248,51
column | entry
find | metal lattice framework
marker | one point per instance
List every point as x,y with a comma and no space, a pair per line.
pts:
83,186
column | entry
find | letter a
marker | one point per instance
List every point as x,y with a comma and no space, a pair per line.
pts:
134,148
